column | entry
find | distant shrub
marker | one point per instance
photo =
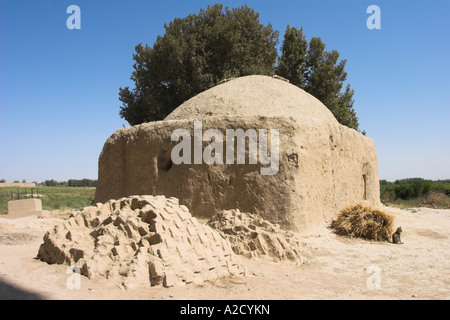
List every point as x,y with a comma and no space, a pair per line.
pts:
412,188
403,191
420,187
364,222
416,192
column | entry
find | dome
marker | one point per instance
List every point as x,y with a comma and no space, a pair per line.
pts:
251,96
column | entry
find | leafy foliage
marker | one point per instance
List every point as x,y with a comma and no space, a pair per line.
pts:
412,188
70,183
318,72
196,53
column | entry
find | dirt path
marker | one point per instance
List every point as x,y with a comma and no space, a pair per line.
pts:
334,268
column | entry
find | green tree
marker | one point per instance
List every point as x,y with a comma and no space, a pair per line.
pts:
318,72
193,55
292,63
81,183
51,183
403,191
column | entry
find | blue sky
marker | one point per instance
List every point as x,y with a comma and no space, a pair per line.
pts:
59,87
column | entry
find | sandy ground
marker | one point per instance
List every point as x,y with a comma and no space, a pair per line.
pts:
334,268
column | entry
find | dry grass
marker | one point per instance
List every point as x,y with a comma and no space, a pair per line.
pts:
436,200
364,222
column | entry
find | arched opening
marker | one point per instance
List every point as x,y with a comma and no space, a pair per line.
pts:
164,161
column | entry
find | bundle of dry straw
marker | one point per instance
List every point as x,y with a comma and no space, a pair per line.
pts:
364,222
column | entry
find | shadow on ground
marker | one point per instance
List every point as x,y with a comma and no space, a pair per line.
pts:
9,291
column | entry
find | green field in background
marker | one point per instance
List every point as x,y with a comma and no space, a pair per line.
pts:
53,198
436,195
